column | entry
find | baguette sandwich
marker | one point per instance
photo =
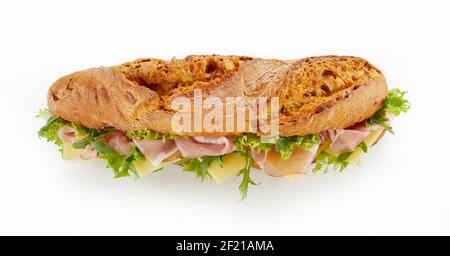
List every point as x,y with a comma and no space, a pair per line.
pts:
324,112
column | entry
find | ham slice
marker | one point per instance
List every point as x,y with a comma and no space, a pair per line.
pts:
298,163
88,153
323,136
119,142
259,157
68,135
156,151
198,146
346,140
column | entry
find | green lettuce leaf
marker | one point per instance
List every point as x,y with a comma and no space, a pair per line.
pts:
50,130
395,103
325,160
151,135
285,145
200,166
90,135
122,165
246,180
251,141
363,147
44,114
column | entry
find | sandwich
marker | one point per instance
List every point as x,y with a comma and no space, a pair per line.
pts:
223,116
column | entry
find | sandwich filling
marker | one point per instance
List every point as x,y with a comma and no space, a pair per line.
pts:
220,158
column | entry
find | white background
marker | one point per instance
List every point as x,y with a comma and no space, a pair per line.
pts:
401,188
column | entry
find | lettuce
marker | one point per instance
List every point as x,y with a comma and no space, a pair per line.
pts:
251,141
394,104
122,165
363,146
44,114
90,135
151,135
245,172
325,160
50,130
285,145
200,166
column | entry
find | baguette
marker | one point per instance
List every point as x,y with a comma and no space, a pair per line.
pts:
316,94
328,111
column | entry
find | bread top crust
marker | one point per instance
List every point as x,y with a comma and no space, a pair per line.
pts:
316,93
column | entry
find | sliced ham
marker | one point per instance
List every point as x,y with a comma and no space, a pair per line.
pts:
346,140
343,140
88,153
68,134
298,163
259,157
119,142
156,151
323,136
198,146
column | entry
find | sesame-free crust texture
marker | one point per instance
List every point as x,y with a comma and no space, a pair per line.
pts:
315,94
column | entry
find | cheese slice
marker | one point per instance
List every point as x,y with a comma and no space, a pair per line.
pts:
144,167
358,152
69,152
232,164
323,147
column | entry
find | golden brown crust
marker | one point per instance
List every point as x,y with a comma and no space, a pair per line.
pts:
349,107
99,97
316,94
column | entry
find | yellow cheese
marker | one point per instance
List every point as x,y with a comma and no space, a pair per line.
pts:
145,167
232,164
323,147
370,140
69,152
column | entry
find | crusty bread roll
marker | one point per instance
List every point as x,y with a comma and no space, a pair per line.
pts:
315,94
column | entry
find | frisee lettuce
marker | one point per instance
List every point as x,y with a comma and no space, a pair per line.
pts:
50,130
151,135
101,147
285,145
44,114
394,104
90,135
245,172
324,160
200,166
379,118
251,141
122,165
363,147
